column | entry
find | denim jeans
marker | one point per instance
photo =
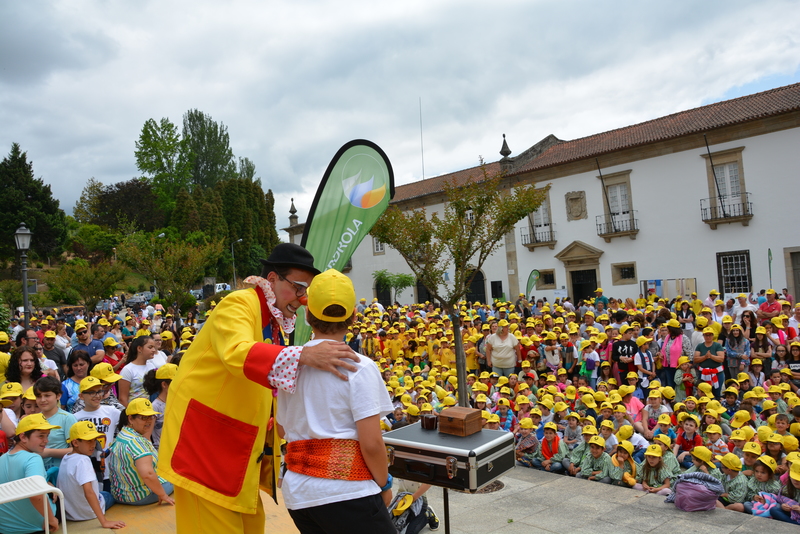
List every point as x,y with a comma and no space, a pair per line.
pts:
108,499
778,513
153,498
503,371
555,467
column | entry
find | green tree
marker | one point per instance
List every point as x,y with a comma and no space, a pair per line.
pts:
87,208
133,201
93,243
26,199
5,317
11,292
165,158
92,283
174,264
247,169
477,215
208,143
395,283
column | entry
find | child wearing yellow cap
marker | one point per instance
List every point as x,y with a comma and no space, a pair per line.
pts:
734,482
330,424
763,480
25,460
83,499
104,418
654,476
597,465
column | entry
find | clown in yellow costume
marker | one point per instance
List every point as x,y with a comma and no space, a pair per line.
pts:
219,442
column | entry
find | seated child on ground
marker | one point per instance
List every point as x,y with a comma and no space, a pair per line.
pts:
83,499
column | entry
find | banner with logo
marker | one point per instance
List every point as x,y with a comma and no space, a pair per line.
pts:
355,191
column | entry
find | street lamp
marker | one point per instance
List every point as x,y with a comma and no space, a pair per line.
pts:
23,238
233,258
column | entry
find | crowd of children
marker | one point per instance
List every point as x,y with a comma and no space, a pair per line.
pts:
586,396
86,434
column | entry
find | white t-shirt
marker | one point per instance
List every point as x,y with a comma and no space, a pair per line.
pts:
75,471
159,358
106,420
322,407
594,356
47,363
11,415
134,374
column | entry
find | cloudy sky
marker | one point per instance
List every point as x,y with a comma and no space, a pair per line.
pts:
295,80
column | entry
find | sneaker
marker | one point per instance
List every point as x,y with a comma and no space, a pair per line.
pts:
433,521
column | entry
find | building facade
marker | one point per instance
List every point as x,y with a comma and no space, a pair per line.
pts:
640,207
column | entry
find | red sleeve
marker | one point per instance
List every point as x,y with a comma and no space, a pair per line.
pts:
259,361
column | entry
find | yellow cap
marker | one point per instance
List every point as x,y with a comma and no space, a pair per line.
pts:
730,460
89,382
597,440
769,461
34,421
704,454
665,439
84,430
141,407
327,289
526,422
105,372
654,450
168,371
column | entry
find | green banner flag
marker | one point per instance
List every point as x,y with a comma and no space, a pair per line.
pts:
532,279
355,191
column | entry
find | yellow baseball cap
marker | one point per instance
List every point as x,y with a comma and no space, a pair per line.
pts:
34,421
654,450
105,372
730,460
331,288
84,430
89,382
597,440
168,371
141,407
664,438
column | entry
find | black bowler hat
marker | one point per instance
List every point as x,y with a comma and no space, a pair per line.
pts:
289,255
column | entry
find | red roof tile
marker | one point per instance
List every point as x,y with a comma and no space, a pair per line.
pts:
728,112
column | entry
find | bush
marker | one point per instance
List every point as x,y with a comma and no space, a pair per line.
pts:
39,265
141,287
131,289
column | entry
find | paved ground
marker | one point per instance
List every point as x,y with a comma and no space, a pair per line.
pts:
535,502
532,502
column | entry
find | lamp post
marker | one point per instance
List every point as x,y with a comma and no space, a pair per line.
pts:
23,238
233,259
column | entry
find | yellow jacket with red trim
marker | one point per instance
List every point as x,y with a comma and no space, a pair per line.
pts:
219,406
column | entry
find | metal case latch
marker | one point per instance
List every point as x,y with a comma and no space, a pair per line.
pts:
451,464
390,454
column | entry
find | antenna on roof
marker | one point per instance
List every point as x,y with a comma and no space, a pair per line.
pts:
421,147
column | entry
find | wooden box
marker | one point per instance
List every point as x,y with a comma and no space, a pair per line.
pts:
460,421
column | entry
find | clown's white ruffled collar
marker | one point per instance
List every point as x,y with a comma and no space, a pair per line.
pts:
286,323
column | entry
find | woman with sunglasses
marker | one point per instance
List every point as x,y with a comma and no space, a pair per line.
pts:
78,366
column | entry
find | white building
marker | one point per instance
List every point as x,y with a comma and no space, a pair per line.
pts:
657,215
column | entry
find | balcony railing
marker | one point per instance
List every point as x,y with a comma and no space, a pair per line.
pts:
540,236
617,225
726,209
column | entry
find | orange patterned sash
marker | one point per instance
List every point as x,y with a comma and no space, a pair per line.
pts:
338,459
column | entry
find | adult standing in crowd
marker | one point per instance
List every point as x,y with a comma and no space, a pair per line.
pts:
503,351
224,388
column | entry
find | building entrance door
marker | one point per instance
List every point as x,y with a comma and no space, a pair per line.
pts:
583,284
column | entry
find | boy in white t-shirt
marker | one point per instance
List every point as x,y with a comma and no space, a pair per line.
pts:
76,478
104,418
337,477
